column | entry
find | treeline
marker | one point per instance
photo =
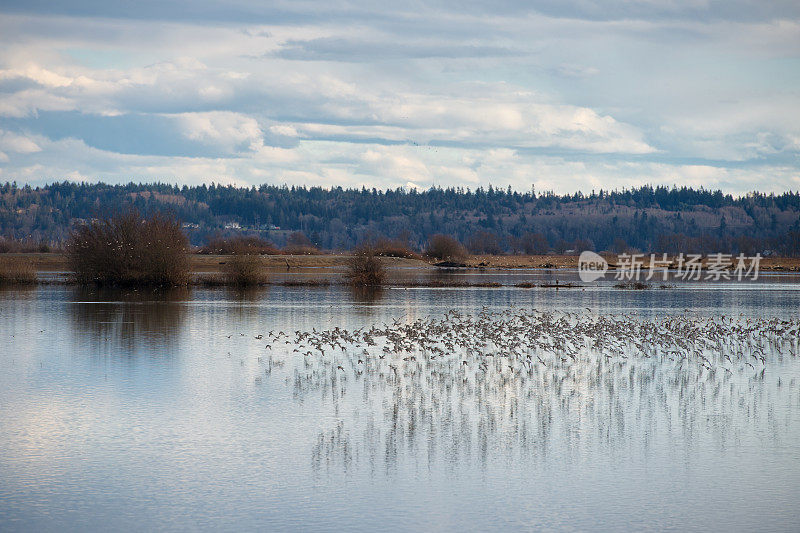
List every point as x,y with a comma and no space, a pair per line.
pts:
492,220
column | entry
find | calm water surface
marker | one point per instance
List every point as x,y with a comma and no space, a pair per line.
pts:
140,411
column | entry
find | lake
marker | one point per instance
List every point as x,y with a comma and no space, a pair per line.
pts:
186,409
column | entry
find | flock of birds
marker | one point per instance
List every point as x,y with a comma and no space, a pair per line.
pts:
517,379
521,343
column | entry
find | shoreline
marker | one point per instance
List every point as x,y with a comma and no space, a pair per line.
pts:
330,270
211,264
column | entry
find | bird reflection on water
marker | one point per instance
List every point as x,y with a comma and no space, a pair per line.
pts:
507,386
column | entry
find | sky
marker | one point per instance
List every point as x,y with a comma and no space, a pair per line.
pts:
561,95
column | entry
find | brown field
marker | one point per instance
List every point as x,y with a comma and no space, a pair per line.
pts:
212,264
788,264
330,263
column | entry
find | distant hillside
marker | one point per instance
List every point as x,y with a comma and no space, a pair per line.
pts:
487,220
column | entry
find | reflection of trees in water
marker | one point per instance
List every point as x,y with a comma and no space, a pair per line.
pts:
367,295
422,411
18,308
444,276
246,295
18,292
365,299
127,319
245,301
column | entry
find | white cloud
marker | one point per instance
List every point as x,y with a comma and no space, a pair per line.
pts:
11,142
503,120
287,130
348,165
393,163
230,130
30,102
582,99
273,154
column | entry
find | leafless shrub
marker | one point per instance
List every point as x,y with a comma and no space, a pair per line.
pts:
445,247
243,270
8,246
394,248
484,242
130,250
298,238
364,268
209,280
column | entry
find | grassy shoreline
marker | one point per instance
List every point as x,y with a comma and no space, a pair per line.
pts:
213,264
57,262
330,269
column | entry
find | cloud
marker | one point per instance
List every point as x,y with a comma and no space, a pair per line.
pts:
11,142
348,165
362,10
351,50
393,164
566,94
284,130
575,71
501,120
31,101
231,130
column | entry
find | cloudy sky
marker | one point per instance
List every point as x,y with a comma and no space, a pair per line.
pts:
564,94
